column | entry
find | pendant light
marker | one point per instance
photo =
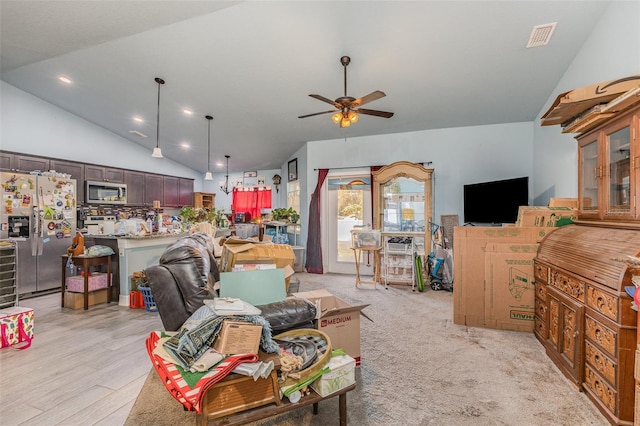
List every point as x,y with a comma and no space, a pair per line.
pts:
208,175
224,186
157,152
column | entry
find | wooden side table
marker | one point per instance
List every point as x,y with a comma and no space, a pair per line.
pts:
85,262
358,251
248,416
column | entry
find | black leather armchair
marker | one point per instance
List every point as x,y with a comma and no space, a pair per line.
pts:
183,279
185,276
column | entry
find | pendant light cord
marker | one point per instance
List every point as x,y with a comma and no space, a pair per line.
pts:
160,82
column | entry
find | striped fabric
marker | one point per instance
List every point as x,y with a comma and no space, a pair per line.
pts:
191,397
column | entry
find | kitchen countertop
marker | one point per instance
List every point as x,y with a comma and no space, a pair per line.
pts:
137,237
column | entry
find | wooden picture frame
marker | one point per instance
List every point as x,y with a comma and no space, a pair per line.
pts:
293,170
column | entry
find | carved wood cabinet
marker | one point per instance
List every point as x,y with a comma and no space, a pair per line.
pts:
583,315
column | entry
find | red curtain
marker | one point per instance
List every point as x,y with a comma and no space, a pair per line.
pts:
251,201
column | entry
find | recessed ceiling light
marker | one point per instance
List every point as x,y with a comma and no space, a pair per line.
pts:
185,145
220,164
64,79
138,119
187,111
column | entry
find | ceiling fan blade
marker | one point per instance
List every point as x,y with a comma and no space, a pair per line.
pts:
368,98
316,113
384,114
327,100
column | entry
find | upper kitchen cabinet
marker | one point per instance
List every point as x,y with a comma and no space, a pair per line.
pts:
186,192
153,188
171,192
178,192
103,174
76,170
27,163
608,160
6,161
135,187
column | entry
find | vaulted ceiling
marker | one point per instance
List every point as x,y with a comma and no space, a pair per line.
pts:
252,64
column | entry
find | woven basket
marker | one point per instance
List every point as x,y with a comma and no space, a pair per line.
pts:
323,358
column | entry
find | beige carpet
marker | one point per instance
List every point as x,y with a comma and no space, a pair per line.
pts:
418,368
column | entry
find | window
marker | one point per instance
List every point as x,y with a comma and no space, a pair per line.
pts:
293,195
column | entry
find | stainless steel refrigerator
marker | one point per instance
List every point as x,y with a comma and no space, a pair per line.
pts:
39,213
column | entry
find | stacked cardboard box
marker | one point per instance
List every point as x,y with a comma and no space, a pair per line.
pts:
542,216
493,276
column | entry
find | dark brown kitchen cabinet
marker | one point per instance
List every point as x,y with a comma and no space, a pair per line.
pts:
76,170
103,174
186,192
153,188
135,187
171,191
6,161
26,163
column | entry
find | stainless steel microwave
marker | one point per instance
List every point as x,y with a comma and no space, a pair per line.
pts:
105,193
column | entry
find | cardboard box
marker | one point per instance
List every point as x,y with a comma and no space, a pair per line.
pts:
469,266
76,300
338,319
510,286
542,216
281,254
342,373
97,280
571,203
238,337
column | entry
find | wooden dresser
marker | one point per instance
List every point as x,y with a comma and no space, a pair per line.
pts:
583,315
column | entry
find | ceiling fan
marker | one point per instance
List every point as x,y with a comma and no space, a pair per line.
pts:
348,107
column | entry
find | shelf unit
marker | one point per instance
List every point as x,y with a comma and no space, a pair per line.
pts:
8,274
204,200
397,257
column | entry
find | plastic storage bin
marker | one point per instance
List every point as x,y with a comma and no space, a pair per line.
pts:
149,303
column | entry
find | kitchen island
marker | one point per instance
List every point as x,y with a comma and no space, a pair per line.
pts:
135,253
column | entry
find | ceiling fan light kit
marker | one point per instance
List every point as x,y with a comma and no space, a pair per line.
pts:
349,107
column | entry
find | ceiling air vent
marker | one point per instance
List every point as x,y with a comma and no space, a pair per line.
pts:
541,34
138,134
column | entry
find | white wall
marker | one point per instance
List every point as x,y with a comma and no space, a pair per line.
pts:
612,51
458,156
33,126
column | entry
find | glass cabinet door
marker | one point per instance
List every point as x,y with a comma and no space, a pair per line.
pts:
403,201
618,145
402,205
589,176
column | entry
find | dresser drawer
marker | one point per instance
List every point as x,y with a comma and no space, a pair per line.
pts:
603,302
599,387
568,285
541,272
600,363
540,328
605,338
541,292
541,309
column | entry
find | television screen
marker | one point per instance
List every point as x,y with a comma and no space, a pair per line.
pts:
495,202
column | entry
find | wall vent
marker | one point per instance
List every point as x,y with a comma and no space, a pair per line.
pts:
541,34
138,134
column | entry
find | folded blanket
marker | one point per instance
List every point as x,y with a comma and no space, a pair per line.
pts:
201,330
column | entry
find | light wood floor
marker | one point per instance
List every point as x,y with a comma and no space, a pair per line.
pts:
83,367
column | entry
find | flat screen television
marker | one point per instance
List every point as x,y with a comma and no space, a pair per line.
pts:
495,202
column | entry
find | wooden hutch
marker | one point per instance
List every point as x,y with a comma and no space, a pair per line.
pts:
584,317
